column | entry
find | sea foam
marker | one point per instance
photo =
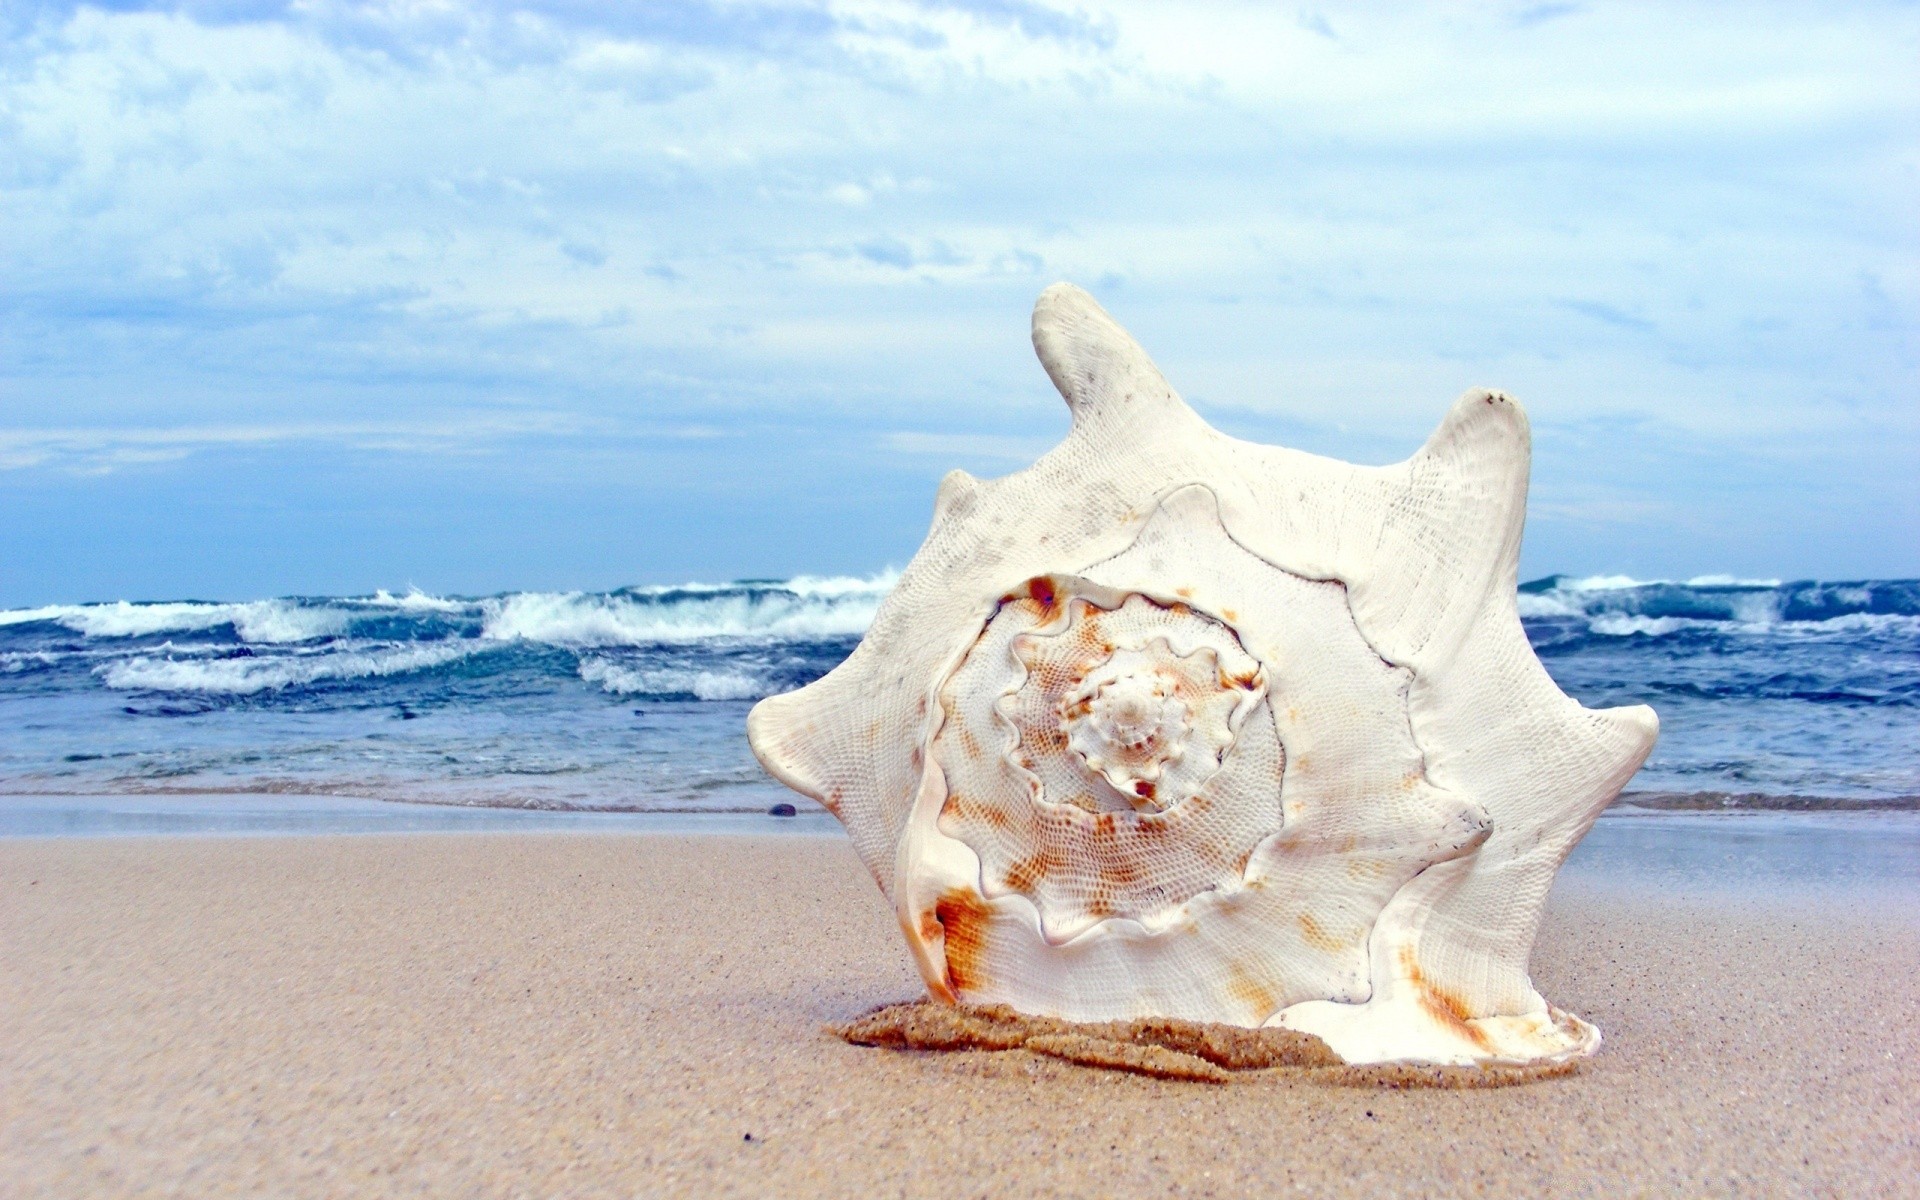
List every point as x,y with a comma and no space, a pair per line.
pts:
799,609
245,676
674,681
264,621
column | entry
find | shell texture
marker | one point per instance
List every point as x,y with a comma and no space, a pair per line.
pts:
1174,725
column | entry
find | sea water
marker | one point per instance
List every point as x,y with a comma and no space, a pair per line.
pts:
1770,694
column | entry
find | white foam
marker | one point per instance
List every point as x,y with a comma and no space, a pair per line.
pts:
1729,581
415,600
1626,625
1847,623
1602,583
843,585
1548,604
264,621
1614,583
804,585
245,676
667,681
590,619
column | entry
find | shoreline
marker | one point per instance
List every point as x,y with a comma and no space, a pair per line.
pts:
591,1014
268,813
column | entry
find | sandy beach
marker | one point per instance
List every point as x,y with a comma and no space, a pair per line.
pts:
544,1014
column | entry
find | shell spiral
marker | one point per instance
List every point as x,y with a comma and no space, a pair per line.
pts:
1173,725
1093,745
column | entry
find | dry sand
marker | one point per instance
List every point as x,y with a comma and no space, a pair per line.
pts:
558,1015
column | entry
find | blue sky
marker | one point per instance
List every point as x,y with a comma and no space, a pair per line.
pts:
324,297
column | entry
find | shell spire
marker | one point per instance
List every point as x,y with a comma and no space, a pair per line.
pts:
1170,724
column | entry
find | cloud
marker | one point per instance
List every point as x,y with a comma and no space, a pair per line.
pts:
1008,451
100,451
232,216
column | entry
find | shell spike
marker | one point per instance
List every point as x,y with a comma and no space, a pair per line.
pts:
1482,450
1103,374
776,731
958,493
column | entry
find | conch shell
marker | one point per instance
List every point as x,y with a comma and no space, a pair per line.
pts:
1170,724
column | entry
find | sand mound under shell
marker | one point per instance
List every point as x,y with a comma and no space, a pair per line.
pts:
1162,1047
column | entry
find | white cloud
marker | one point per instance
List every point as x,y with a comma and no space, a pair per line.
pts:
101,450
1691,217
1010,453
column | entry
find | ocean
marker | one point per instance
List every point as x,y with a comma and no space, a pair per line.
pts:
1772,695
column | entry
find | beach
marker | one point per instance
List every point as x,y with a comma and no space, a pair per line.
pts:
587,1014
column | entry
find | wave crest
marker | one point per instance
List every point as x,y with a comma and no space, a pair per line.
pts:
1617,606
805,607
246,676
675,681
798,609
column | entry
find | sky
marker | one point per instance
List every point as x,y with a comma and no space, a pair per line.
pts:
318,298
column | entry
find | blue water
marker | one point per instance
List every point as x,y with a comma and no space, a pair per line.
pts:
636,699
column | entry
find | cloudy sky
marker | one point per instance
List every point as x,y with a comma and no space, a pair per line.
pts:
324,297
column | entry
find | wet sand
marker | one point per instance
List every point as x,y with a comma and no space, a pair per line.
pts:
553,1014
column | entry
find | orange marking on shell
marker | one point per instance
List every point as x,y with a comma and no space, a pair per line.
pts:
1443,1006
1229,614
964,916
1040,589
1317,937
972,809
1184,592
1242,986
1122,873
1023,875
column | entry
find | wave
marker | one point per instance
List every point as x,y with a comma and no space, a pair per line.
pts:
267,622
1619,606
1562,612
796,609
676,681
246,676
805,607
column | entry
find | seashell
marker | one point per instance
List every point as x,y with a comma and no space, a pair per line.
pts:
1175,725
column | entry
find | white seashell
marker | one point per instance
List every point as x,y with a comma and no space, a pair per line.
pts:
1170,724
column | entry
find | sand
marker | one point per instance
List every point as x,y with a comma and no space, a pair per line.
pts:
620,1015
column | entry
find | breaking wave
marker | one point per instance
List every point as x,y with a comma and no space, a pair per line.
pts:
1769,692
246,676
796,609
801,608
622,680
269,622
1618,606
